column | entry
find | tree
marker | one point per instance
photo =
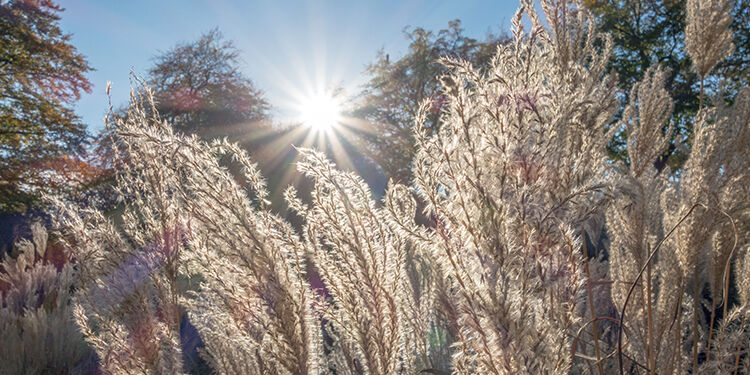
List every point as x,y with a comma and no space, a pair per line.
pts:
736,67
652,31
396,90
199,87
42,76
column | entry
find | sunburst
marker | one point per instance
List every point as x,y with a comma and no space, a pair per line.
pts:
320,111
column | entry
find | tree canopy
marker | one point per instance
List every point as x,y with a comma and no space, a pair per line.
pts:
652,31
397,87
41,76
199,87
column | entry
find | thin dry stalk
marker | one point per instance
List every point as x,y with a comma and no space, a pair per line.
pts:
591,308
635,282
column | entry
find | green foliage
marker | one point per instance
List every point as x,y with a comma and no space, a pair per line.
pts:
652,31
391,99
41,76
736,67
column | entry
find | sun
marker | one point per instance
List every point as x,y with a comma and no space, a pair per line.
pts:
321,112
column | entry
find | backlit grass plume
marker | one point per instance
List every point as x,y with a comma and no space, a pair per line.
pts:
513,185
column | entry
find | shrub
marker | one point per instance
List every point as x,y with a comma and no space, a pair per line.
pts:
36,318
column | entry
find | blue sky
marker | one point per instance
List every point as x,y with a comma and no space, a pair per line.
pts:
287,47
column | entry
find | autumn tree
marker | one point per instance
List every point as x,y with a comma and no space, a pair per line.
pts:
41,138
397,87
41,75
200,88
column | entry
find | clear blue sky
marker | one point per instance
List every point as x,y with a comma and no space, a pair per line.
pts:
286,46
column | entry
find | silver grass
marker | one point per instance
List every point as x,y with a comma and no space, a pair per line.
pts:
495,284
708,38
505,181
36,318
362,262
635,224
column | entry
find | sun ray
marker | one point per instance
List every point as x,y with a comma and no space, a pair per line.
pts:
358,125
340,156
274,153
